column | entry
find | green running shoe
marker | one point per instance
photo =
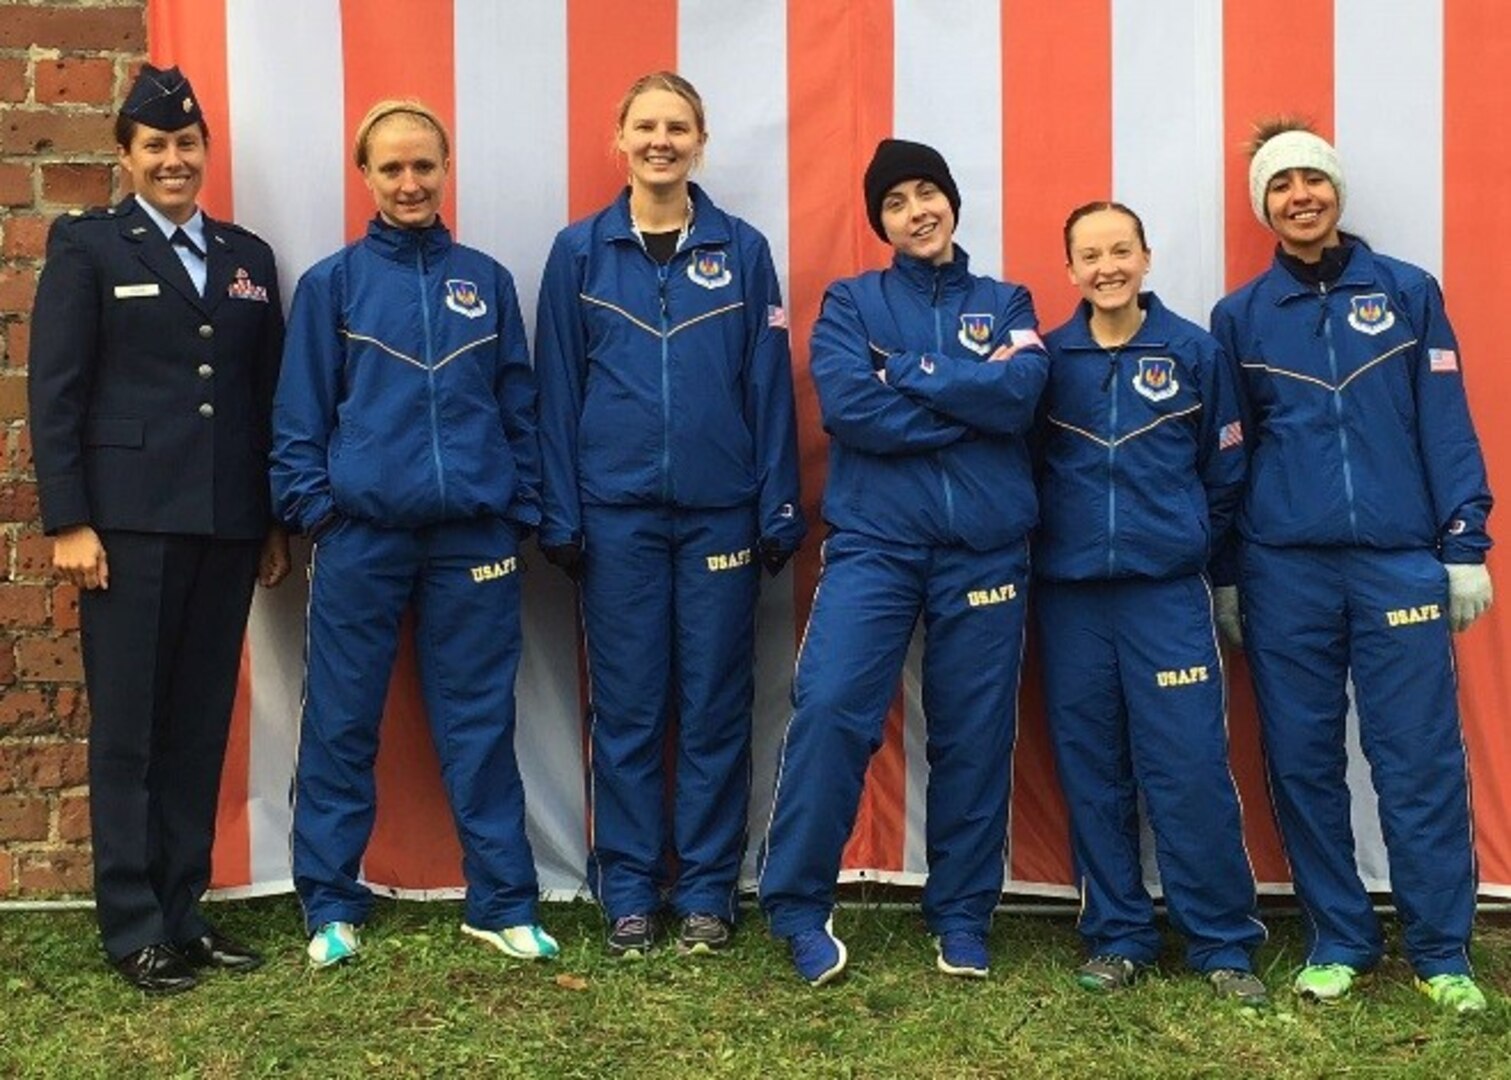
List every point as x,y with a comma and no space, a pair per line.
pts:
334,943
1326,983
526,942
1456,992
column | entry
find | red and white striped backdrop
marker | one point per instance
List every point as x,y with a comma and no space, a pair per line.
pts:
1038,104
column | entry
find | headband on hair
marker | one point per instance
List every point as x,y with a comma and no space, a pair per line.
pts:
383,110
1292,150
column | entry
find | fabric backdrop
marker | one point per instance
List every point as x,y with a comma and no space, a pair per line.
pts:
1039,105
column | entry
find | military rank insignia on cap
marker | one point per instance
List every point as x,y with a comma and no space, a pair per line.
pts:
162,99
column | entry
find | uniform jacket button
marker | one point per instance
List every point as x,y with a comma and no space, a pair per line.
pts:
207,410
206,330
205,371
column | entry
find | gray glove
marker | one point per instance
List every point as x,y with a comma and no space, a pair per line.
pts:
1469,594
1226,611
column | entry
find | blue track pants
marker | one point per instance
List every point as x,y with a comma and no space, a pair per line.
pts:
1133,686
870,595
463,579
1313,619
669,600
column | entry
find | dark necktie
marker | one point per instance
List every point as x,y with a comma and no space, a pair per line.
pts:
181,239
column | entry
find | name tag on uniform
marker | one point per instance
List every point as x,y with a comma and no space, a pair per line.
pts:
127,292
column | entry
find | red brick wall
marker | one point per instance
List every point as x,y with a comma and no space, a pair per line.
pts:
63,69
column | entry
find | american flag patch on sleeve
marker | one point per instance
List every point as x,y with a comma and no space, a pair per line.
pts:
776,316
1020,338
1442,360
1230,435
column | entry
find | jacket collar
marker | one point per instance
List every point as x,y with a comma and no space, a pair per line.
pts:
923,276
402,245
156,252
134,213
710,225
1156,332
1358,272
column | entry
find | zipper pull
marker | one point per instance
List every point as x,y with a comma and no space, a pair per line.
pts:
1112,370
1322,314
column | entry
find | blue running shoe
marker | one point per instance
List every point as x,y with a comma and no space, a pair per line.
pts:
818,955
963,953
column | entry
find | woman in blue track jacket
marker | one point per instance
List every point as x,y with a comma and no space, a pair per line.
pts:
928,377
1363,532
1141,468
405,445
670,449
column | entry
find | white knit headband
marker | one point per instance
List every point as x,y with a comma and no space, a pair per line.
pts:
1292,150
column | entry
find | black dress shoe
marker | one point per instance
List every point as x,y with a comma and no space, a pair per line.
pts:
157,969
214,949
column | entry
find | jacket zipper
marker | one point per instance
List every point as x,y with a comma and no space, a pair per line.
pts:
435,426
1112,452
666,390
944,472
1332,364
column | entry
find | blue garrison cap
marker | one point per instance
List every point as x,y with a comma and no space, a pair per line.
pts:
162,99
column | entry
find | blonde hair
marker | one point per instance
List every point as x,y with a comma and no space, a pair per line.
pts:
416,111
663,80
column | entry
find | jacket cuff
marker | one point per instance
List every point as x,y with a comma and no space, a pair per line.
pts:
65,503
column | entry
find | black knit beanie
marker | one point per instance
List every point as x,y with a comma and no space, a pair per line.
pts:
897,160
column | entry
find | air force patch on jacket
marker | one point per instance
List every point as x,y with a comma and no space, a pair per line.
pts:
462,298
709,269
1155,378
1370,314
976,333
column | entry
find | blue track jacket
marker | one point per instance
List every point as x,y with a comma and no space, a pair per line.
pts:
406,397
936,453
1142,457
1356,420
665,385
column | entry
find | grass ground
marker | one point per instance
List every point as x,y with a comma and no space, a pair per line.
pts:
423,1001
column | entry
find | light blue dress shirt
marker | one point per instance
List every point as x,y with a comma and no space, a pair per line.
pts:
195,229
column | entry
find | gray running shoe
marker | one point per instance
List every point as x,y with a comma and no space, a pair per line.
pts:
702,935
1243,988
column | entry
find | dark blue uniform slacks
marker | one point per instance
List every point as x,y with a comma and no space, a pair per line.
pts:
160,655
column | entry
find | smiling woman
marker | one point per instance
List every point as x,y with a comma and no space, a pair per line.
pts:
1366,498
1140,467
166,168
661,136
670,445
158,332
404,153
928,376
399,511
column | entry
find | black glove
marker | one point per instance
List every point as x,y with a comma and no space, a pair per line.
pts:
773,554
568,558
